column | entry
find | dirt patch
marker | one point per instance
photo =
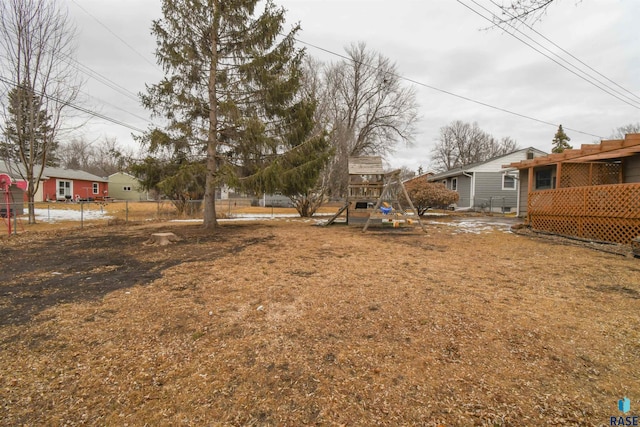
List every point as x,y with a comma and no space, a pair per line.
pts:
286,323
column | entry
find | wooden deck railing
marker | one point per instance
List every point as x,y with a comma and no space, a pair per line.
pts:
609,213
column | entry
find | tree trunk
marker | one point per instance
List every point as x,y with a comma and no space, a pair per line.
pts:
31,197
212,143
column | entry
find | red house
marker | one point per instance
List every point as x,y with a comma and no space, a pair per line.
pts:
68,184
57,184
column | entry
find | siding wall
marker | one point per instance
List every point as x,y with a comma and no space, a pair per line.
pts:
631,169
118,181
464,190
489,192
78,187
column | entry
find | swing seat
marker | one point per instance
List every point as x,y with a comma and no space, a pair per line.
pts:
386,210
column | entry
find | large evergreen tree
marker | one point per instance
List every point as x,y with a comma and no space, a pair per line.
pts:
28,129
560,141
231,93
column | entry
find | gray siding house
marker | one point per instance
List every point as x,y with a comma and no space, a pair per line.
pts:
486,185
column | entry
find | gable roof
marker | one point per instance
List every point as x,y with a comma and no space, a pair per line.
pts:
469,168
612,149
53,172
122,174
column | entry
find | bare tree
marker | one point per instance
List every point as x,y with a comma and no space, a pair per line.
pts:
371,107
523,11
364,107
463,143
35,38
100,158
620,132
76,154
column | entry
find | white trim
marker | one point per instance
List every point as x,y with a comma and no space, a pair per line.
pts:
95,188
505,176
63,196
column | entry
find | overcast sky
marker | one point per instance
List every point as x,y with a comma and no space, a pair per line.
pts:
440,44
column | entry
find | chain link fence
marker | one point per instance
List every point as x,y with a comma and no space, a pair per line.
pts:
86,213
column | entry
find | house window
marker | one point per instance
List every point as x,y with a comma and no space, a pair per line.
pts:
454,184
543,179
96,188
126,188
508,182
529,155
65,190
444,182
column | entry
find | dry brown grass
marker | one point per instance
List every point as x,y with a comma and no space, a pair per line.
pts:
284,323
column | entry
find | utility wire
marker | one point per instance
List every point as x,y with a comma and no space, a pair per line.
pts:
547,56
484,104
77,107
99,77
563,50
350,59
115,35
590,76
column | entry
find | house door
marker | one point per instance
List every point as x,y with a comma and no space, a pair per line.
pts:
64,190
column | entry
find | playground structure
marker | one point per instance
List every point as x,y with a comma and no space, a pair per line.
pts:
376,198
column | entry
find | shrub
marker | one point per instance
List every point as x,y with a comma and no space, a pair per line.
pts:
425,195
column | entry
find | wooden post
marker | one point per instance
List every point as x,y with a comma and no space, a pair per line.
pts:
558,174
377,206
415,211
621,173
529,189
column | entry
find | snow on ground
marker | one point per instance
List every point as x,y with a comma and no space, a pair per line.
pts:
56,215
476,225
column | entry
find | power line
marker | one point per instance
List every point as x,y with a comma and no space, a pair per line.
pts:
100,78
563,50
484,104
547,56
77,107
115,35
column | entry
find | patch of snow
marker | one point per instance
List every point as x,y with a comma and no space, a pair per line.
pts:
476,226
55,215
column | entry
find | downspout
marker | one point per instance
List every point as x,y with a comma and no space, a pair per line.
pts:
517,180
518,196
472,193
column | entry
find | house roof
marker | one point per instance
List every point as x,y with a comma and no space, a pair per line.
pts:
121,174
52,172
469,168
366,165
611,149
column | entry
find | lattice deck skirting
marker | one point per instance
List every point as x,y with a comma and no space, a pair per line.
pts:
604,212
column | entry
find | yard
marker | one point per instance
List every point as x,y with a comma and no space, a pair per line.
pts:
283,322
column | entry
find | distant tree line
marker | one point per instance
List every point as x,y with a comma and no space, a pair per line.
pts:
461,143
